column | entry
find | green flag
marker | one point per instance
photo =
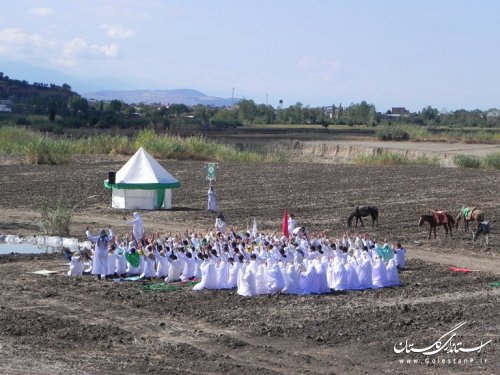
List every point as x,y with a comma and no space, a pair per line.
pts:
211,170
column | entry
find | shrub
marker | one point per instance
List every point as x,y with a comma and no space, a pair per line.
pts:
42,150
56,220
392,133
466,161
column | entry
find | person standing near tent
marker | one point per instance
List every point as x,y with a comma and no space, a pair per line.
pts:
138,229
100,260
212,199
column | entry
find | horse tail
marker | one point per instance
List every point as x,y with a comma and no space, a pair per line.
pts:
375,212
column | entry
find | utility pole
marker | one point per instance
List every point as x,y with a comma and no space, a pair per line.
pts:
232,97
267,95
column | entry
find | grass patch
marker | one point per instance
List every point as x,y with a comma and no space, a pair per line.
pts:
467,161
394,158
492,161
37,148
418,133
197,148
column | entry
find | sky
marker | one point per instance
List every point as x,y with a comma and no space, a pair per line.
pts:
391,53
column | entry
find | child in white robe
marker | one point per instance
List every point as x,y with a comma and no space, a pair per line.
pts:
379,272
246,281
339,275
76,265
189,269
121,263
175,269
400,255
234,270
111,261
161,265
208,276
149,265
275,281
392,273
365,271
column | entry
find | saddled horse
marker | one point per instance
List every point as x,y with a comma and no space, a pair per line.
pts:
431,219
363,211
475,214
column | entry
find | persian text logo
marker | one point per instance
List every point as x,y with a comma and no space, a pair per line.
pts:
447,343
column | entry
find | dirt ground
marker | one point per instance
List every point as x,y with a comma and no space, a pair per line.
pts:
57,324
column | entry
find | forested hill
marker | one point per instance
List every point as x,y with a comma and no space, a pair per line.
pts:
35,98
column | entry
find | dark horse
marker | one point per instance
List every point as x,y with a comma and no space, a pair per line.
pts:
429,218
475,214
363,211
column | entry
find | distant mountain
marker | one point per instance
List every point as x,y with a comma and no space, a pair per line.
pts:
24,71
188,97
109,88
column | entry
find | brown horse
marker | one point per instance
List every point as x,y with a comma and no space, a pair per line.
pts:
475,214
363,211
429,218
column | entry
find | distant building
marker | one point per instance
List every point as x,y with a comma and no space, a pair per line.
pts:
399,112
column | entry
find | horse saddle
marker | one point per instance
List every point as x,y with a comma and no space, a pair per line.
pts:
440,217
467,212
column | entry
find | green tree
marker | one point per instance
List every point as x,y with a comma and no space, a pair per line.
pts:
246,111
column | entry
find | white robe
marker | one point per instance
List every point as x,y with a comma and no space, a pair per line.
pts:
111,264
162,266
189,269
121,263
400,255
338,276
76,266
260,280
174,270
100,259
352,276
392,273
149,268
234,270
212,200
208,276
138,229
275,280
292,284
365,273
223,275
309,281
379,273
246,281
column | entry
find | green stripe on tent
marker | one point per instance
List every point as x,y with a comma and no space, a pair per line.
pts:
153,186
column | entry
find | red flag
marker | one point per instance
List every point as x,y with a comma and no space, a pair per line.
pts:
284,227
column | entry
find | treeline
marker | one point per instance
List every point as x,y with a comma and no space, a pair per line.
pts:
52,108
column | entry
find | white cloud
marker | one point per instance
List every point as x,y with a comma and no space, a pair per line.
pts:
316,67
110,50
117,31
78,49
41,11
15,41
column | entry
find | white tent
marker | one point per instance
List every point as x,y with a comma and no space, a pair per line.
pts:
142,183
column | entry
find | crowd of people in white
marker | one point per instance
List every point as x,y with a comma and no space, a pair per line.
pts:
253,263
